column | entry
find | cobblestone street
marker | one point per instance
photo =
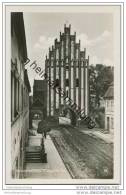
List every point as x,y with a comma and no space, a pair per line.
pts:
84,155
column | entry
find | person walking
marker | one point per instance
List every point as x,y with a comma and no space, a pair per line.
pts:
43,128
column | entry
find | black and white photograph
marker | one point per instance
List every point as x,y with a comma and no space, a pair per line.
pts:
62,94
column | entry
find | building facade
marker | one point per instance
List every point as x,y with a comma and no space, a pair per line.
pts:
109,109
40,97
38,109
20,89
68,67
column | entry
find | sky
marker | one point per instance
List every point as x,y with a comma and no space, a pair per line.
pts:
95,31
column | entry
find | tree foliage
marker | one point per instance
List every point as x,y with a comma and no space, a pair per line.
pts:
100,77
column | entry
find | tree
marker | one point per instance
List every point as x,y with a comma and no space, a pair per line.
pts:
100,77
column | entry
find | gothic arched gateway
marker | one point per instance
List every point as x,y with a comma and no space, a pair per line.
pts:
69,113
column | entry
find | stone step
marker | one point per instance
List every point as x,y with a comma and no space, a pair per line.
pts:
33,153
34,161
33,157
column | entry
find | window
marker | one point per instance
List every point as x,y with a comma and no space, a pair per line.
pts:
56,82
67,60
57,53
72,49
77,73
67,44
67,93
52,71
112,123
22,97
62,53
52,61
107,103
18,96
77,53
57,62
47,71
77,82
25,96
112,105
108,125
67,67
57,72
15,97
12,96
67,82
67,74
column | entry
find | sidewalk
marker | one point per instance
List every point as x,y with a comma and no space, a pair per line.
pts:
108,138
53,169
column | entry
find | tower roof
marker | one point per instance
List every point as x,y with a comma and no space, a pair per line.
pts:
39,84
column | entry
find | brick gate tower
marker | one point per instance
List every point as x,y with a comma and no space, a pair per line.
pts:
68,66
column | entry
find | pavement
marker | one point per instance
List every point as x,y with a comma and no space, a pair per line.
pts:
53,169
97,133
